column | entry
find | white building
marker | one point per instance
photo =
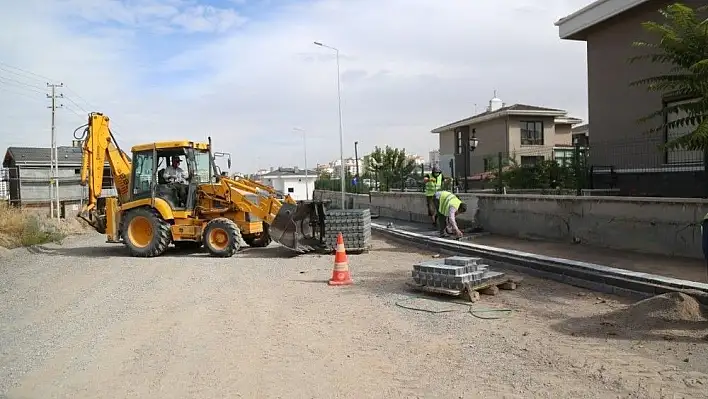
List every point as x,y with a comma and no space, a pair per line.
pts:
349,167
417,159
434,158
292,181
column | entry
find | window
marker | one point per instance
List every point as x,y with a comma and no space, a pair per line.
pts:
291,190
564,157
680,155
142,179
531,160
459,142
531,132
202,161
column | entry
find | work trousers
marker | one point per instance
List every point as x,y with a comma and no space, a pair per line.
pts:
433,205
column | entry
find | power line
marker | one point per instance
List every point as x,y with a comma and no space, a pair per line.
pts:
30,76
77,105
15,91
17,83
41,78
80,98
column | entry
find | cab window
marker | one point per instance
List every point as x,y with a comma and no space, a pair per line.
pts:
142,178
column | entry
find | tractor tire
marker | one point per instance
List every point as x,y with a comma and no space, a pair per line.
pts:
145,233
188,245
259,241
222,238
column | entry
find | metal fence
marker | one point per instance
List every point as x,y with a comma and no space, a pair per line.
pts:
628,167
641,167
624,166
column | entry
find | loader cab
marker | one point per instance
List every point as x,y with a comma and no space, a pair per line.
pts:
150,164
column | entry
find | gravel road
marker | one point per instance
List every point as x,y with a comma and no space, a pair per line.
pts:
82,320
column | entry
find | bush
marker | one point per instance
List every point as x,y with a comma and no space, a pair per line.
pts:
23,227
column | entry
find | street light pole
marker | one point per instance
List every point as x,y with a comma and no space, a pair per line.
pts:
341,127
356,160
304,144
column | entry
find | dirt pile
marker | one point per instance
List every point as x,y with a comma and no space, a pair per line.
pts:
671,313
23,227
662,310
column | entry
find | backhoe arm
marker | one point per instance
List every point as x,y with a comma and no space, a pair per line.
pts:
98,146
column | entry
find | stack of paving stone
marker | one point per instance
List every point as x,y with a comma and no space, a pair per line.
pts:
355,226
453,272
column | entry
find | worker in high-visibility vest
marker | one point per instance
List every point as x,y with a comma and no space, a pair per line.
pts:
433,184
450,206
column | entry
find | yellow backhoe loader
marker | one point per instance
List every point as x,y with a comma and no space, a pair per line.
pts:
172,192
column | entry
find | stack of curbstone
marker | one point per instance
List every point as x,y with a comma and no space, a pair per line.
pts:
355,226
453,272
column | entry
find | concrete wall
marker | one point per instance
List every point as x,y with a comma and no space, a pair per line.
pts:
652,225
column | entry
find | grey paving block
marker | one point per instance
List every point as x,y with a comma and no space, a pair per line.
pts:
354,224
452,274
488,274
461,261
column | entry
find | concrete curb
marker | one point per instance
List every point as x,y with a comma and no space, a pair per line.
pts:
592,276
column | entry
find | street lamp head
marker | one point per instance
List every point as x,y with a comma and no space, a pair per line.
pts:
318,44
474,142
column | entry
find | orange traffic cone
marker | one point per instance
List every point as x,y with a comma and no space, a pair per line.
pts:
340,273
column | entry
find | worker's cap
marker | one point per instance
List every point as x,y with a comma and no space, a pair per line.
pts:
436,169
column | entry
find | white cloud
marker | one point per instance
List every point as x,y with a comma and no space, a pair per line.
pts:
407,66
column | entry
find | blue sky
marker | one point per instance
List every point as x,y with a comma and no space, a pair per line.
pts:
246,71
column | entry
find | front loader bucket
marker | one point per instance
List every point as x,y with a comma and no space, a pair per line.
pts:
293,227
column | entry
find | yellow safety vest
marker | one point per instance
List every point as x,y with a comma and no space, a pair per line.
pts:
433,185
448,199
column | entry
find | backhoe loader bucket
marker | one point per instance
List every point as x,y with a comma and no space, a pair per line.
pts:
299,227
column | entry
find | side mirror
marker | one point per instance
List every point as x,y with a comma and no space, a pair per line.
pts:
228,162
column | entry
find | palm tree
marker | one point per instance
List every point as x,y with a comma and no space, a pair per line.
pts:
683,45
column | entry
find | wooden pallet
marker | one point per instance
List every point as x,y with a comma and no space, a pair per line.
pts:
472,291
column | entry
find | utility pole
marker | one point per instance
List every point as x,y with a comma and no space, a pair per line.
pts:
304,144
356,160
54,154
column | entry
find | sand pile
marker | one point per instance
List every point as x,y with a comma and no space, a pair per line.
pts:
666,311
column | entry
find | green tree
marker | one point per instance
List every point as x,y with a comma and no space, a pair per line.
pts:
391,166
683,45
